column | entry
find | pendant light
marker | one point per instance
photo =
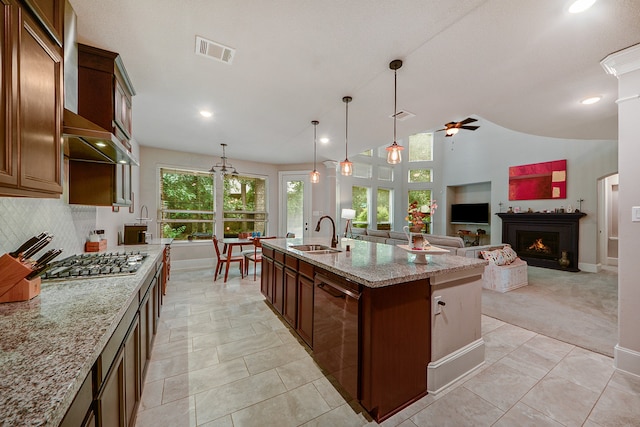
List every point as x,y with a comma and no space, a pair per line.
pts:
346,167
315,175
394,155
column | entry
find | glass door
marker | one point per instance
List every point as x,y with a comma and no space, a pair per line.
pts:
295,203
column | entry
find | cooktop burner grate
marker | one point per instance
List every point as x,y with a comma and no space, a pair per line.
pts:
90,265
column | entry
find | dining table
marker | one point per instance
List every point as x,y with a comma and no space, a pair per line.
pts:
231,242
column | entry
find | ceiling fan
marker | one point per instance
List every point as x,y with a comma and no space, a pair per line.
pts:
452,128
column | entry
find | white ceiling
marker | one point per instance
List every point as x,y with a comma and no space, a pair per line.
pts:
521,64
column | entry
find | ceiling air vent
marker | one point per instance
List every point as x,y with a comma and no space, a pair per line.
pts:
214,50
403,115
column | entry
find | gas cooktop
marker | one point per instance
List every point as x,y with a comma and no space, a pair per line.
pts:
91,265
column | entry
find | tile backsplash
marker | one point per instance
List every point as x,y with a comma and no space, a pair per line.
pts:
22,218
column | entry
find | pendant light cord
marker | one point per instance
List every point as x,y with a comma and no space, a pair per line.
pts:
315,139
395,102
346,130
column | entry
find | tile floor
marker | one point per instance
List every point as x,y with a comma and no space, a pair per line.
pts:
222,358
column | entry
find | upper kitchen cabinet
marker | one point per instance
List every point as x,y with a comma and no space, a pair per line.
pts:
51,14
104,99
104,91
31,120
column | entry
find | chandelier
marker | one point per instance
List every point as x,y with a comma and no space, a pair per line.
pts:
225,167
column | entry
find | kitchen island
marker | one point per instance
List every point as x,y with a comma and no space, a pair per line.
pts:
66,352
387,329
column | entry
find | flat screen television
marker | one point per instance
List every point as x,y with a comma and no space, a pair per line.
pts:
470,213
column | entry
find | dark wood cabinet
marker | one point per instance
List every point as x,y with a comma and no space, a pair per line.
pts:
266,276
105,98
305,309
290,297
132,372
110,404
278,286
31,80
50,13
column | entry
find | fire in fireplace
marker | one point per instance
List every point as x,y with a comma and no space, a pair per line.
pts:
538,244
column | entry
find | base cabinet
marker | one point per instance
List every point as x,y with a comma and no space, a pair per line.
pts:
111,394
304,326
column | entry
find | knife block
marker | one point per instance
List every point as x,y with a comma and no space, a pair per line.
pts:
13,283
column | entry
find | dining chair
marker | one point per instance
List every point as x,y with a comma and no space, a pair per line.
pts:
255,256
224,259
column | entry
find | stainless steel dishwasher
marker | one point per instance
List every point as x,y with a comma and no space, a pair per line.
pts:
335,330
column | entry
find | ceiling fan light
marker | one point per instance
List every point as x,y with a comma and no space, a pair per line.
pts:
452,131
346,167
394,153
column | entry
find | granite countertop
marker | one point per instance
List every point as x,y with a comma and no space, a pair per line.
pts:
49,344
375,265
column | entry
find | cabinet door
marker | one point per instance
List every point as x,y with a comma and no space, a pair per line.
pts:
123,185
146,333
110,402
40,112
290,306
91,183
8,95
266,278
122,113
132,371
278,287
305,309
50,13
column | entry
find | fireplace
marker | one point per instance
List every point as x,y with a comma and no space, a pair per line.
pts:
540,238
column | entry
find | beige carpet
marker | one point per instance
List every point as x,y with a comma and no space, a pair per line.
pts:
576,308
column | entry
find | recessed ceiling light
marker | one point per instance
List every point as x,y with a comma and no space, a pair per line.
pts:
590,100
324,140
580,5
205,113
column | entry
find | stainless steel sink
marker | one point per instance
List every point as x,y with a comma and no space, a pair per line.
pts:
315,249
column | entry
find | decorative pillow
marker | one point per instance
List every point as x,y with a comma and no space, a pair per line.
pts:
504,256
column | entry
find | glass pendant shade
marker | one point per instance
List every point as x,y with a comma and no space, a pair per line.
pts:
346,167
314,176
394,153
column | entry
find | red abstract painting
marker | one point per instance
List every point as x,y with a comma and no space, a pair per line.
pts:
547,180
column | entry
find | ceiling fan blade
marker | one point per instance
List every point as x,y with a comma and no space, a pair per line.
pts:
468,120
469,127
448,125
441,129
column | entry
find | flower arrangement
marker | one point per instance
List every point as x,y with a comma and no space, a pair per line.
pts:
418,215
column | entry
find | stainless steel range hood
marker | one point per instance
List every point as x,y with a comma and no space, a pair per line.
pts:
84,140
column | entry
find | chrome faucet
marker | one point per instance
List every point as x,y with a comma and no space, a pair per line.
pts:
334,236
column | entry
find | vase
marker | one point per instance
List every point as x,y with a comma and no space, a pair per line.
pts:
416,228
564,260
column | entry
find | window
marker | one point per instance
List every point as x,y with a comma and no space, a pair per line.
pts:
423,197
421,147
368,153
360,203
244,205
385,173
361,170
420,175
187,204
383,209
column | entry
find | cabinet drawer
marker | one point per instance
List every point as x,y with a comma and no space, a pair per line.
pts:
278,256
267,252
306,269
291,262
